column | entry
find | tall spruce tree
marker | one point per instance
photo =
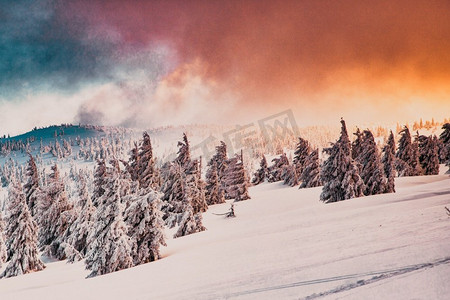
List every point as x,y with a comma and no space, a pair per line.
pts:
184,153
371,173
145,226
236,179
214,193
195,187
388,160
311,171
302,150
55,216
133,163
220,158
262,174
289,175
83,224
407,155
21,232
357,144
339,173
147,173
444,137
31,188
110,247
174,194
277,167
429,156
99,181
190,223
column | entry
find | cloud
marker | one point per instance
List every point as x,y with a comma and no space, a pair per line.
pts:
40,49
150,63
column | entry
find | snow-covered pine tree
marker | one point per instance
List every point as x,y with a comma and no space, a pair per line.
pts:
31,188
3,252
357,144
21,232
311,171
133,163
236,179
80,229
444,137
407,155
183,154
110,247
220,159
174,193
214,192
276,169
416,166
195,187
55,214
371,172
302,150
262,174
339,173
147,173
99,181
145,226
289,174
429,156
388,161
190,223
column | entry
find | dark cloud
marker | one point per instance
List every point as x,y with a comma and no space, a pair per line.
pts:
39,48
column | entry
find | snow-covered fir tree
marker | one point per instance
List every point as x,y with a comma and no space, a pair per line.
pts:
311,171
133,163
190,223
262,174
289,175
99,181
195,187
147,173
31,187
407,155
277,167
236,179
55,214
184,153
3,252
428,155
21,233
80,229
145,226
444,137
339,173
220,158
214,193
302,150
174,193
371,169
110,247
357,144
388,161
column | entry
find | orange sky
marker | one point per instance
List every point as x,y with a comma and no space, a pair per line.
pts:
376,61
301,53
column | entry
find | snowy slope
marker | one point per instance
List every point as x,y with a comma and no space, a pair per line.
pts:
285,244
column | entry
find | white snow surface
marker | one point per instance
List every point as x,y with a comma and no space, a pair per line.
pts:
285,244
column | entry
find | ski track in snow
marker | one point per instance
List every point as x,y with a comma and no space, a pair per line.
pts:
377,276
